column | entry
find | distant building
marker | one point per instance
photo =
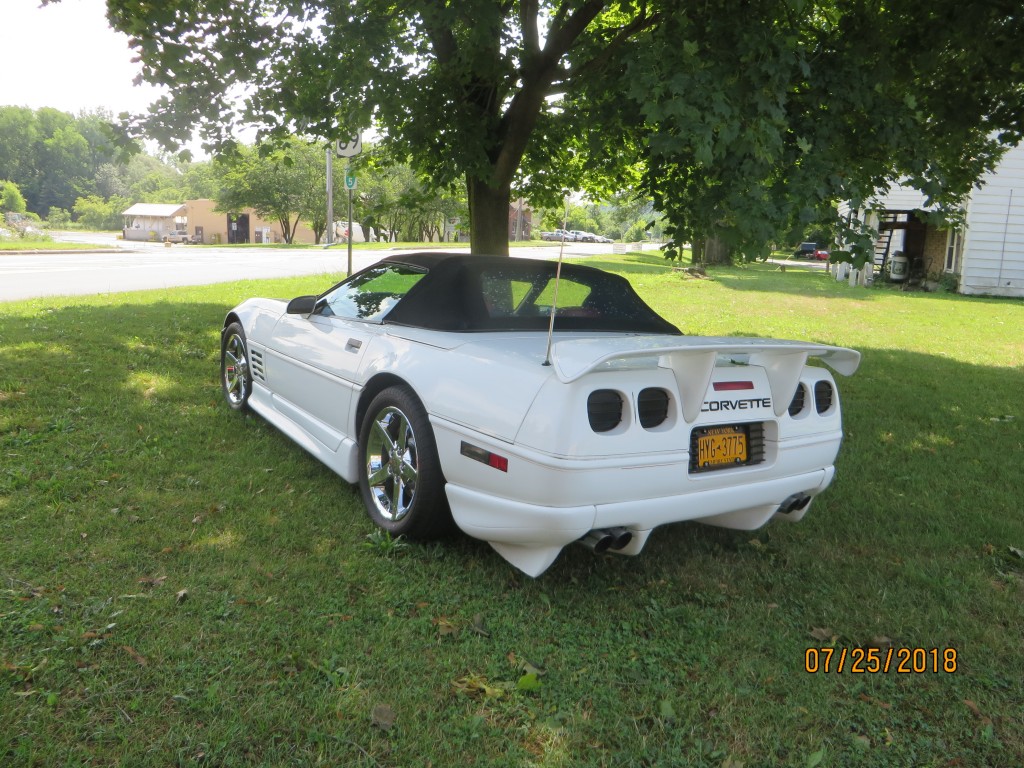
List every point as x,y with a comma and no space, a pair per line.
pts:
153,221
207,225
520,220
986,256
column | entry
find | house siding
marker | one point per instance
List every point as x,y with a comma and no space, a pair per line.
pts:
994,237
900,199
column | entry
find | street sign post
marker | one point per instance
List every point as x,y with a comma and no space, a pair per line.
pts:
348,148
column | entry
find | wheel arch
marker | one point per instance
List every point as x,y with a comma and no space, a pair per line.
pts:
374,387
232,317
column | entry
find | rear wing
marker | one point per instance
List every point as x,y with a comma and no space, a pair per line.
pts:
692,361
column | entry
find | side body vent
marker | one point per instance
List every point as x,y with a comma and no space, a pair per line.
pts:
824,396
256,365
604,409
652,407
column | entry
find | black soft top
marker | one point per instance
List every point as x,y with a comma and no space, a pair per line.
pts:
467,293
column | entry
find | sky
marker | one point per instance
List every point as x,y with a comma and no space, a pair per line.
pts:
65,55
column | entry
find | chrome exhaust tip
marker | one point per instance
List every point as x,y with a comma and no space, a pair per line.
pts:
599,541
621,536
602,540
794,503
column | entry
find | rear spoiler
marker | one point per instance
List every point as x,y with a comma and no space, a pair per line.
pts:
692,360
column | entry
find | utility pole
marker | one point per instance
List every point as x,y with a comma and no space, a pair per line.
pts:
330,197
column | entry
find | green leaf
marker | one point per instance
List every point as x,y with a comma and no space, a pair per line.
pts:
666,711
529,682
815,759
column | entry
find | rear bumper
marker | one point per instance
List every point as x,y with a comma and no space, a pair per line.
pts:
745,507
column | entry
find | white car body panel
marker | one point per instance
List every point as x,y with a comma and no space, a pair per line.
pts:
494,392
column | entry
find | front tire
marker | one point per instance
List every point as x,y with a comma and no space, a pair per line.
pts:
235,377
400,475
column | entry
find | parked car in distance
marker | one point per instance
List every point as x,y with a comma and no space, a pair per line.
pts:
805,251
177,236
810,251
429,380
582,236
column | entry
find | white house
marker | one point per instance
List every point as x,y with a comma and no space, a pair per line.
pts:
986,257
153,221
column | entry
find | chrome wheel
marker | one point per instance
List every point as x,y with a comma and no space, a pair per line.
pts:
400,477
392,464
234,367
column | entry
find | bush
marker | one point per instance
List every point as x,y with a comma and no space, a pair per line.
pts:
58,218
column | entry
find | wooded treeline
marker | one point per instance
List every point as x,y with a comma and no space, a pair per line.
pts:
69,169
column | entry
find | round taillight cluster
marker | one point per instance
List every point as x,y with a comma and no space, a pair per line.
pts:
605,408
824,396
652,407
799,401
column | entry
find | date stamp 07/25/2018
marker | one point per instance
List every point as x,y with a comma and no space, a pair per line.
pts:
868,661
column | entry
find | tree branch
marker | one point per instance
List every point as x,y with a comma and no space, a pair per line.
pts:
635,27
528,10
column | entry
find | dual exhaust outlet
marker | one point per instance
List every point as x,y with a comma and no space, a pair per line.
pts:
612,539
604,539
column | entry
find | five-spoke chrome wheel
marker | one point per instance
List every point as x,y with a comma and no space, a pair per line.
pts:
236,380
399,472
391,464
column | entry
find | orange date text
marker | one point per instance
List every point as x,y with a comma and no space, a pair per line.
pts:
867,661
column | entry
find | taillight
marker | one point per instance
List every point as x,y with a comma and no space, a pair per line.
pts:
652,407
604,409
824,396
799,401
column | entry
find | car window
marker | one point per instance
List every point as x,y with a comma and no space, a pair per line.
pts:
510,296
371,294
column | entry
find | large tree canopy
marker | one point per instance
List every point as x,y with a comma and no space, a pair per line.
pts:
741,118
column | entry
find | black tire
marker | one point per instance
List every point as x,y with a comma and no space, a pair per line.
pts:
235,377
400,476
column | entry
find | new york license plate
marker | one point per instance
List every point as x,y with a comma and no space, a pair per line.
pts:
721,447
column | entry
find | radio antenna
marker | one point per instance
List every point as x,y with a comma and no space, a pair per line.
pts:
554,297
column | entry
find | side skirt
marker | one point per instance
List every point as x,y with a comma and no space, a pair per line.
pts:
344,460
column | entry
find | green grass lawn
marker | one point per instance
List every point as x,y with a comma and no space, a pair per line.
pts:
181,585
29,245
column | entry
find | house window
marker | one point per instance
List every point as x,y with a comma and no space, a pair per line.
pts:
954,249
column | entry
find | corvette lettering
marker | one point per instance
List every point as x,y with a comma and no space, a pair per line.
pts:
711,406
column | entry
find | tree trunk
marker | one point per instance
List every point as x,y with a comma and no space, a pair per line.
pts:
710,251
488,218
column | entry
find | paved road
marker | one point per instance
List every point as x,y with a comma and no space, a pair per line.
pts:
141,266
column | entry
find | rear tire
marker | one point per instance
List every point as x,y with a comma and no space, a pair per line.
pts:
400,476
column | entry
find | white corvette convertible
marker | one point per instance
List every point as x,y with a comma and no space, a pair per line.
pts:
432,381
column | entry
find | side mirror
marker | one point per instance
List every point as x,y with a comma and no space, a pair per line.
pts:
302,305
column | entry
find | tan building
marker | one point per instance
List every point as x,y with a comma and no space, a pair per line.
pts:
206,225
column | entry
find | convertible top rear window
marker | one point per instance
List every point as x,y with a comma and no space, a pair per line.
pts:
486,293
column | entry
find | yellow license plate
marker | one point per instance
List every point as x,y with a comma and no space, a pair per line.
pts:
720,447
